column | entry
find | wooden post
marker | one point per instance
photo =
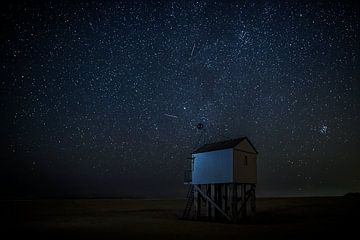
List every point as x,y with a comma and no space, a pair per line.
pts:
208,204
225,196
196,204
253,200
243,197
248,212
212,196
197,201
234,201
218,200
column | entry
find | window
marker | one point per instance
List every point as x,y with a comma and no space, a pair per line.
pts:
246,161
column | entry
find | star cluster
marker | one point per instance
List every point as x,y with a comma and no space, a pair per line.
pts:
103,98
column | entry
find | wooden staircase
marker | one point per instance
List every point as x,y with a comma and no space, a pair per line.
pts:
189,203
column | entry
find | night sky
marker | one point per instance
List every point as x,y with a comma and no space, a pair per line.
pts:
102,99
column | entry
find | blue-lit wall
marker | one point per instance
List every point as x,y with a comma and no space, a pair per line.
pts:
213,167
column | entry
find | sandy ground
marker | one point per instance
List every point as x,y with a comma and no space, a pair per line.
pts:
294,218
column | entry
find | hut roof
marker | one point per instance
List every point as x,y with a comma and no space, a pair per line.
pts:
222,145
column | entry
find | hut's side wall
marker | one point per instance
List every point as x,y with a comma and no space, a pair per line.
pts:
213,167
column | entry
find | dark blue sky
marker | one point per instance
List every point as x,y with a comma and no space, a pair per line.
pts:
102,99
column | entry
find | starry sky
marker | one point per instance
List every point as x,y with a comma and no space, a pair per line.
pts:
102,99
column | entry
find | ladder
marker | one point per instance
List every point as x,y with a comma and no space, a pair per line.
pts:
189,203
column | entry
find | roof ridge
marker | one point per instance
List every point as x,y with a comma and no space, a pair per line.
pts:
220,145
229,140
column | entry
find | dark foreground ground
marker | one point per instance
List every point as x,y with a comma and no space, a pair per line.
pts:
293,218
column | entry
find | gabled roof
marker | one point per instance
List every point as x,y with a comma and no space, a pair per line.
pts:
222,145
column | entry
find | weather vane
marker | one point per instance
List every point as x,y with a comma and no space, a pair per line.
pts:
200,126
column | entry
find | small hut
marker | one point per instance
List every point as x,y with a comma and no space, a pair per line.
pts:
222,178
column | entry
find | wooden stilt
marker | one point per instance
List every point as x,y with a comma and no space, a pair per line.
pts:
221,201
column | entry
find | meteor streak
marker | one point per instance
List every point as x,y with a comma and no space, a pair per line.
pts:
172,116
